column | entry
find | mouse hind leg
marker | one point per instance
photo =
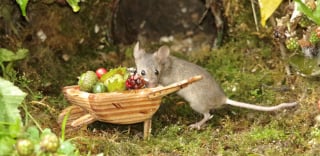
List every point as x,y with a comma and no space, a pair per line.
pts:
206,116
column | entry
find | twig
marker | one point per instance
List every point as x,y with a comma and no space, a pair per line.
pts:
31,117
204,14
41,102
283,53
254,15
283,50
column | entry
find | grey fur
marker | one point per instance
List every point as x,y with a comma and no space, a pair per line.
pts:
202,96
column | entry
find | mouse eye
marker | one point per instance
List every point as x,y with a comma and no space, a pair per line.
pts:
143,73
156,72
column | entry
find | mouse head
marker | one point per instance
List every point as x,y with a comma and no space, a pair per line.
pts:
150,66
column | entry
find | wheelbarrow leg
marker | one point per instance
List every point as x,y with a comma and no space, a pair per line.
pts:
147,128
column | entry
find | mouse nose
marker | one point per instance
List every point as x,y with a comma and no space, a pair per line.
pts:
150,84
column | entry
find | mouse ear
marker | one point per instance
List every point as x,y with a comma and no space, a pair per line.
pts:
137,52
162,54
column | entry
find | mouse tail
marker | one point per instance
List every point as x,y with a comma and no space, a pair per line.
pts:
260,108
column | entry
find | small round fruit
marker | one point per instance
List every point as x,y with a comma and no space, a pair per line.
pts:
314,39
87,80
24,147
49,143
101,71
292,43
99,87
304,22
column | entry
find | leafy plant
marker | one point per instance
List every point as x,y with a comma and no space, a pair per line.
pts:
13,138
267,7
8,57
74,4
313,15
23,6
45,143
10,120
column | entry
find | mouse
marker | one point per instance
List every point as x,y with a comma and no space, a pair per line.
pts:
160,68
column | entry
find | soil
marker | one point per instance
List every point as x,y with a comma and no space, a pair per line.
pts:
153,19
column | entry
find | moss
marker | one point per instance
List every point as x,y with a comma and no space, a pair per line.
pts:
266,134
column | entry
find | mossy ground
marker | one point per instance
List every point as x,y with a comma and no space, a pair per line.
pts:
248,66
246,75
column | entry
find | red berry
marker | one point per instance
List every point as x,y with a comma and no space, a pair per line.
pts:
135,82
101,71
128,84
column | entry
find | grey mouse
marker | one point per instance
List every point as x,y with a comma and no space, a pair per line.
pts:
160,68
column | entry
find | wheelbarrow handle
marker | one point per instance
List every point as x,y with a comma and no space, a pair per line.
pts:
162,91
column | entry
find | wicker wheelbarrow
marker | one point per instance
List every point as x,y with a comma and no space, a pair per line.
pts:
126,107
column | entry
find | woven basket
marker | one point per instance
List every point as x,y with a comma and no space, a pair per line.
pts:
126,107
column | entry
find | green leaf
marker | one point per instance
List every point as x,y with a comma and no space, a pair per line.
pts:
63,126
45,132
15,129
8,56
10,99
33,134
67,148
23,6
74,5
312,15
6,145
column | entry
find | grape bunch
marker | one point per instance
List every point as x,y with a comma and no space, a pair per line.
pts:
135,81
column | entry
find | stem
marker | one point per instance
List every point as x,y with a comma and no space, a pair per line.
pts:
254,15
31,117
63,125
3,70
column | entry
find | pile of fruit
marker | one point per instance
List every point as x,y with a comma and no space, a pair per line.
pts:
117,79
